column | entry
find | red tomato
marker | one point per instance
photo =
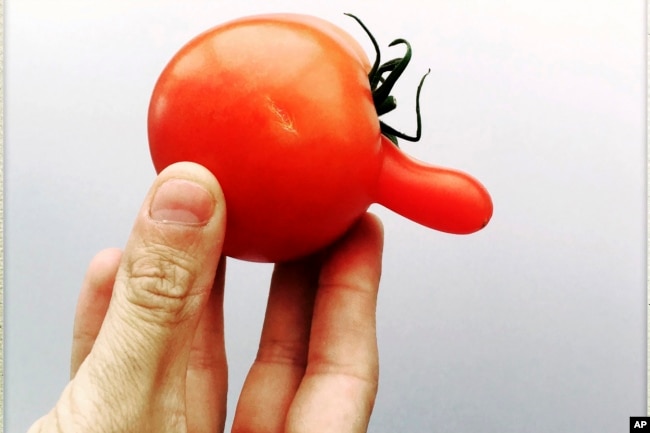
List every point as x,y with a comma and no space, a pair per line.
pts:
280,109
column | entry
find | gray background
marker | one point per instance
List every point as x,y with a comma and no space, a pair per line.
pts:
535,324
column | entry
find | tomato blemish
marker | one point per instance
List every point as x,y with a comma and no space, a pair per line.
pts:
282,116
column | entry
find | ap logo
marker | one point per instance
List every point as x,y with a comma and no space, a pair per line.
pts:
639,424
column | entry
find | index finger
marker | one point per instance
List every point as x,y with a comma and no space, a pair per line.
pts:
340,383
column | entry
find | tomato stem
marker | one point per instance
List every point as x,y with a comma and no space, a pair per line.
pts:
381,86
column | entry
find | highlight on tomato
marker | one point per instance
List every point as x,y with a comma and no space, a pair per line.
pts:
284,109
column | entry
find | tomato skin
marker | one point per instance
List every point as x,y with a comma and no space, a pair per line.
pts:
438,197
279,108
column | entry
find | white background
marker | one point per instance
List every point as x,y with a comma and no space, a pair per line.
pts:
535,324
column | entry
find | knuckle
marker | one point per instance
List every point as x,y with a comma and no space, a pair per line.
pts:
160,282
284,352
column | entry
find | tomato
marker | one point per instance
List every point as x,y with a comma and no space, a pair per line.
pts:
281,109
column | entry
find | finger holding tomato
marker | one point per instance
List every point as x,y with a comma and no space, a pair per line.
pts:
148,347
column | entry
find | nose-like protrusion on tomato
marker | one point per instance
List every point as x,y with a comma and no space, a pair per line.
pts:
439,198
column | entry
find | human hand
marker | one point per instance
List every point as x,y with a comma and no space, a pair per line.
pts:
148,343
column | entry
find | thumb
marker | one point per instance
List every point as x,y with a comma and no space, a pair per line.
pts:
163,282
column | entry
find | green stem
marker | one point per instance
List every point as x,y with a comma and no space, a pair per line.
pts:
381,86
